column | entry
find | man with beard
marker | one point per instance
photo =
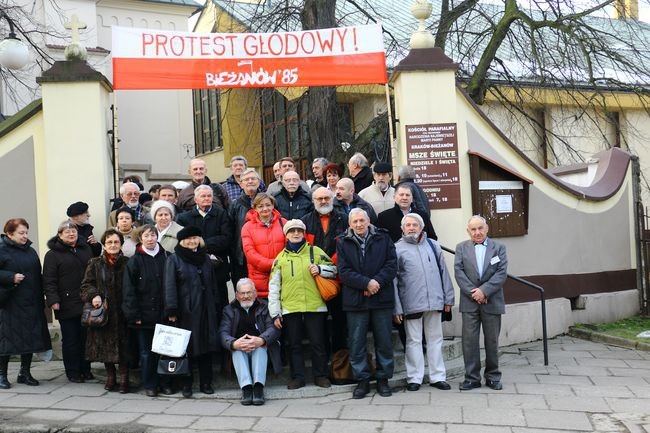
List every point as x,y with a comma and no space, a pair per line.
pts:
380,194
78,215
130,195
323,225
199,170
423,291
346,199
251,184
292,201
247,331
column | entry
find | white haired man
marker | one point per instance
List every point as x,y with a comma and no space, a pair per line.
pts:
234,188
359,170
130,195
198,169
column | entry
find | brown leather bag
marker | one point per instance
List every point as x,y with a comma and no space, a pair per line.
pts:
341,370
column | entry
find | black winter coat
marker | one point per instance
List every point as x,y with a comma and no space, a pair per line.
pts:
420,199
338,224
63,270
391,220
191,296
23,328
357,202
363,179
356,270
232,315
293,207
142,288
84,232
237,215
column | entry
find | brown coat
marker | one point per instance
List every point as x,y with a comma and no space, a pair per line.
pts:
110,343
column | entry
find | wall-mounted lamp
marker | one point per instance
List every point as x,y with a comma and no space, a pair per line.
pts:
13,52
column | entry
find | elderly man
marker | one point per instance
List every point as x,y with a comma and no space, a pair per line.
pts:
247,331
233,185
217,233
423,291
286,164
292,201
317,166
78,215
237,211
391,219
130,195
480,268
323,225
277,171
199,170
367,266
380,194
359,171
346,199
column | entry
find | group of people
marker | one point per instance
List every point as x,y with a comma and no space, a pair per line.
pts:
167,259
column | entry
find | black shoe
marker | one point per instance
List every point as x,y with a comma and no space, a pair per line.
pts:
187,392
26,377
76,379
296,383
383,388
4,382
441,384
494,384
166,390
87,376
362,389
322,382
412,386
258,394
207,389
151,392
247,395
469,384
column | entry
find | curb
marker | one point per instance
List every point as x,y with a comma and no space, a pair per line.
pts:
598,337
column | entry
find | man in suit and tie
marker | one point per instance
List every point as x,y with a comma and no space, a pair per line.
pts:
481,269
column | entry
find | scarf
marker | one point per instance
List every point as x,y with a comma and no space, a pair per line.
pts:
111,259
294,247
152,253
197,258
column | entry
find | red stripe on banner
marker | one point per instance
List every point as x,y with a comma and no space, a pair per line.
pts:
140,74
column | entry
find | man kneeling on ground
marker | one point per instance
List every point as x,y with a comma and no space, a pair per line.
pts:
247,331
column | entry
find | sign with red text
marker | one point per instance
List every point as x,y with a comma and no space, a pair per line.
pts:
155,59
432,150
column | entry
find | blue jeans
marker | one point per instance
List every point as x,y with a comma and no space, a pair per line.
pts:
250,367
148,360
381,323
73,347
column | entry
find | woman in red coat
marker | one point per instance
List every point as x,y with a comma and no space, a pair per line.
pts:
262,240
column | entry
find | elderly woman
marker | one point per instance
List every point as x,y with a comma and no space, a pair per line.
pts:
103,280
333,174
191,303
262,240
295,303
23,327
63,271
143,299
125,226
162,214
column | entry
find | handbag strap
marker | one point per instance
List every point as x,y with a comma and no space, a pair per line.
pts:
311,254
103,271
435,254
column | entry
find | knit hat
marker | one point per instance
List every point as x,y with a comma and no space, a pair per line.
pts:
188,232
382,167
158,204
77,209
293,224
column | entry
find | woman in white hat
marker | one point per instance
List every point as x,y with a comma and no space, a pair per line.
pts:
163,213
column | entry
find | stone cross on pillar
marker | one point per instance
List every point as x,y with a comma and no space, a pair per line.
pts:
75,51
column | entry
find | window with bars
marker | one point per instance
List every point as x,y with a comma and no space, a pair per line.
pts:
207,121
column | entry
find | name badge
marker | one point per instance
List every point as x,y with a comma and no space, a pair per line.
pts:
494,260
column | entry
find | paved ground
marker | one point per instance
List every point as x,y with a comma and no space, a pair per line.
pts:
588,387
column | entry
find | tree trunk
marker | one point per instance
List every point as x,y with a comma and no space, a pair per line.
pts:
322,122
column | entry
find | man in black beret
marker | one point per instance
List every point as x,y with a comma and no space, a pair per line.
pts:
380,195
78,215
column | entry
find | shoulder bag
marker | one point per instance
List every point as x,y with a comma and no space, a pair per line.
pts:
328,288
92,317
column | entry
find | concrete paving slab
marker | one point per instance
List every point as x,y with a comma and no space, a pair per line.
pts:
212,423
143,406
511,417
544,389
310,410
271,408
631,405
511,378
33,400
641,391
627,371
53,415
617,354
424,396
602,362
602,391
535,430
560,379
160,420
638,363
617,381
43,388
83,389
286,425
578,404
202,408
87,403
562,420
521,401
4,395
574,370
31,428
107,418
412,427
337,426
371,413
471,428
432,415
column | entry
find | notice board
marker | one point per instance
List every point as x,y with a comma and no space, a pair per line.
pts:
432,150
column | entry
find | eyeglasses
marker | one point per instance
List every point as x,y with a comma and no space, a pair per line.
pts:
246,294
249,179
322,198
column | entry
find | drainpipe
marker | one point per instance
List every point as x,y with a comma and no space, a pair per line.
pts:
643,287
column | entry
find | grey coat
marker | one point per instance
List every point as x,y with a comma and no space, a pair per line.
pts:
420,286
495,272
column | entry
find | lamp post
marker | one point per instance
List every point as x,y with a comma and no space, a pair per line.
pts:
13,51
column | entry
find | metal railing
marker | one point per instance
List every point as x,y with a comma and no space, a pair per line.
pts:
542,299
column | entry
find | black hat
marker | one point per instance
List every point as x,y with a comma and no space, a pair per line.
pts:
382,167
77,209
188,232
